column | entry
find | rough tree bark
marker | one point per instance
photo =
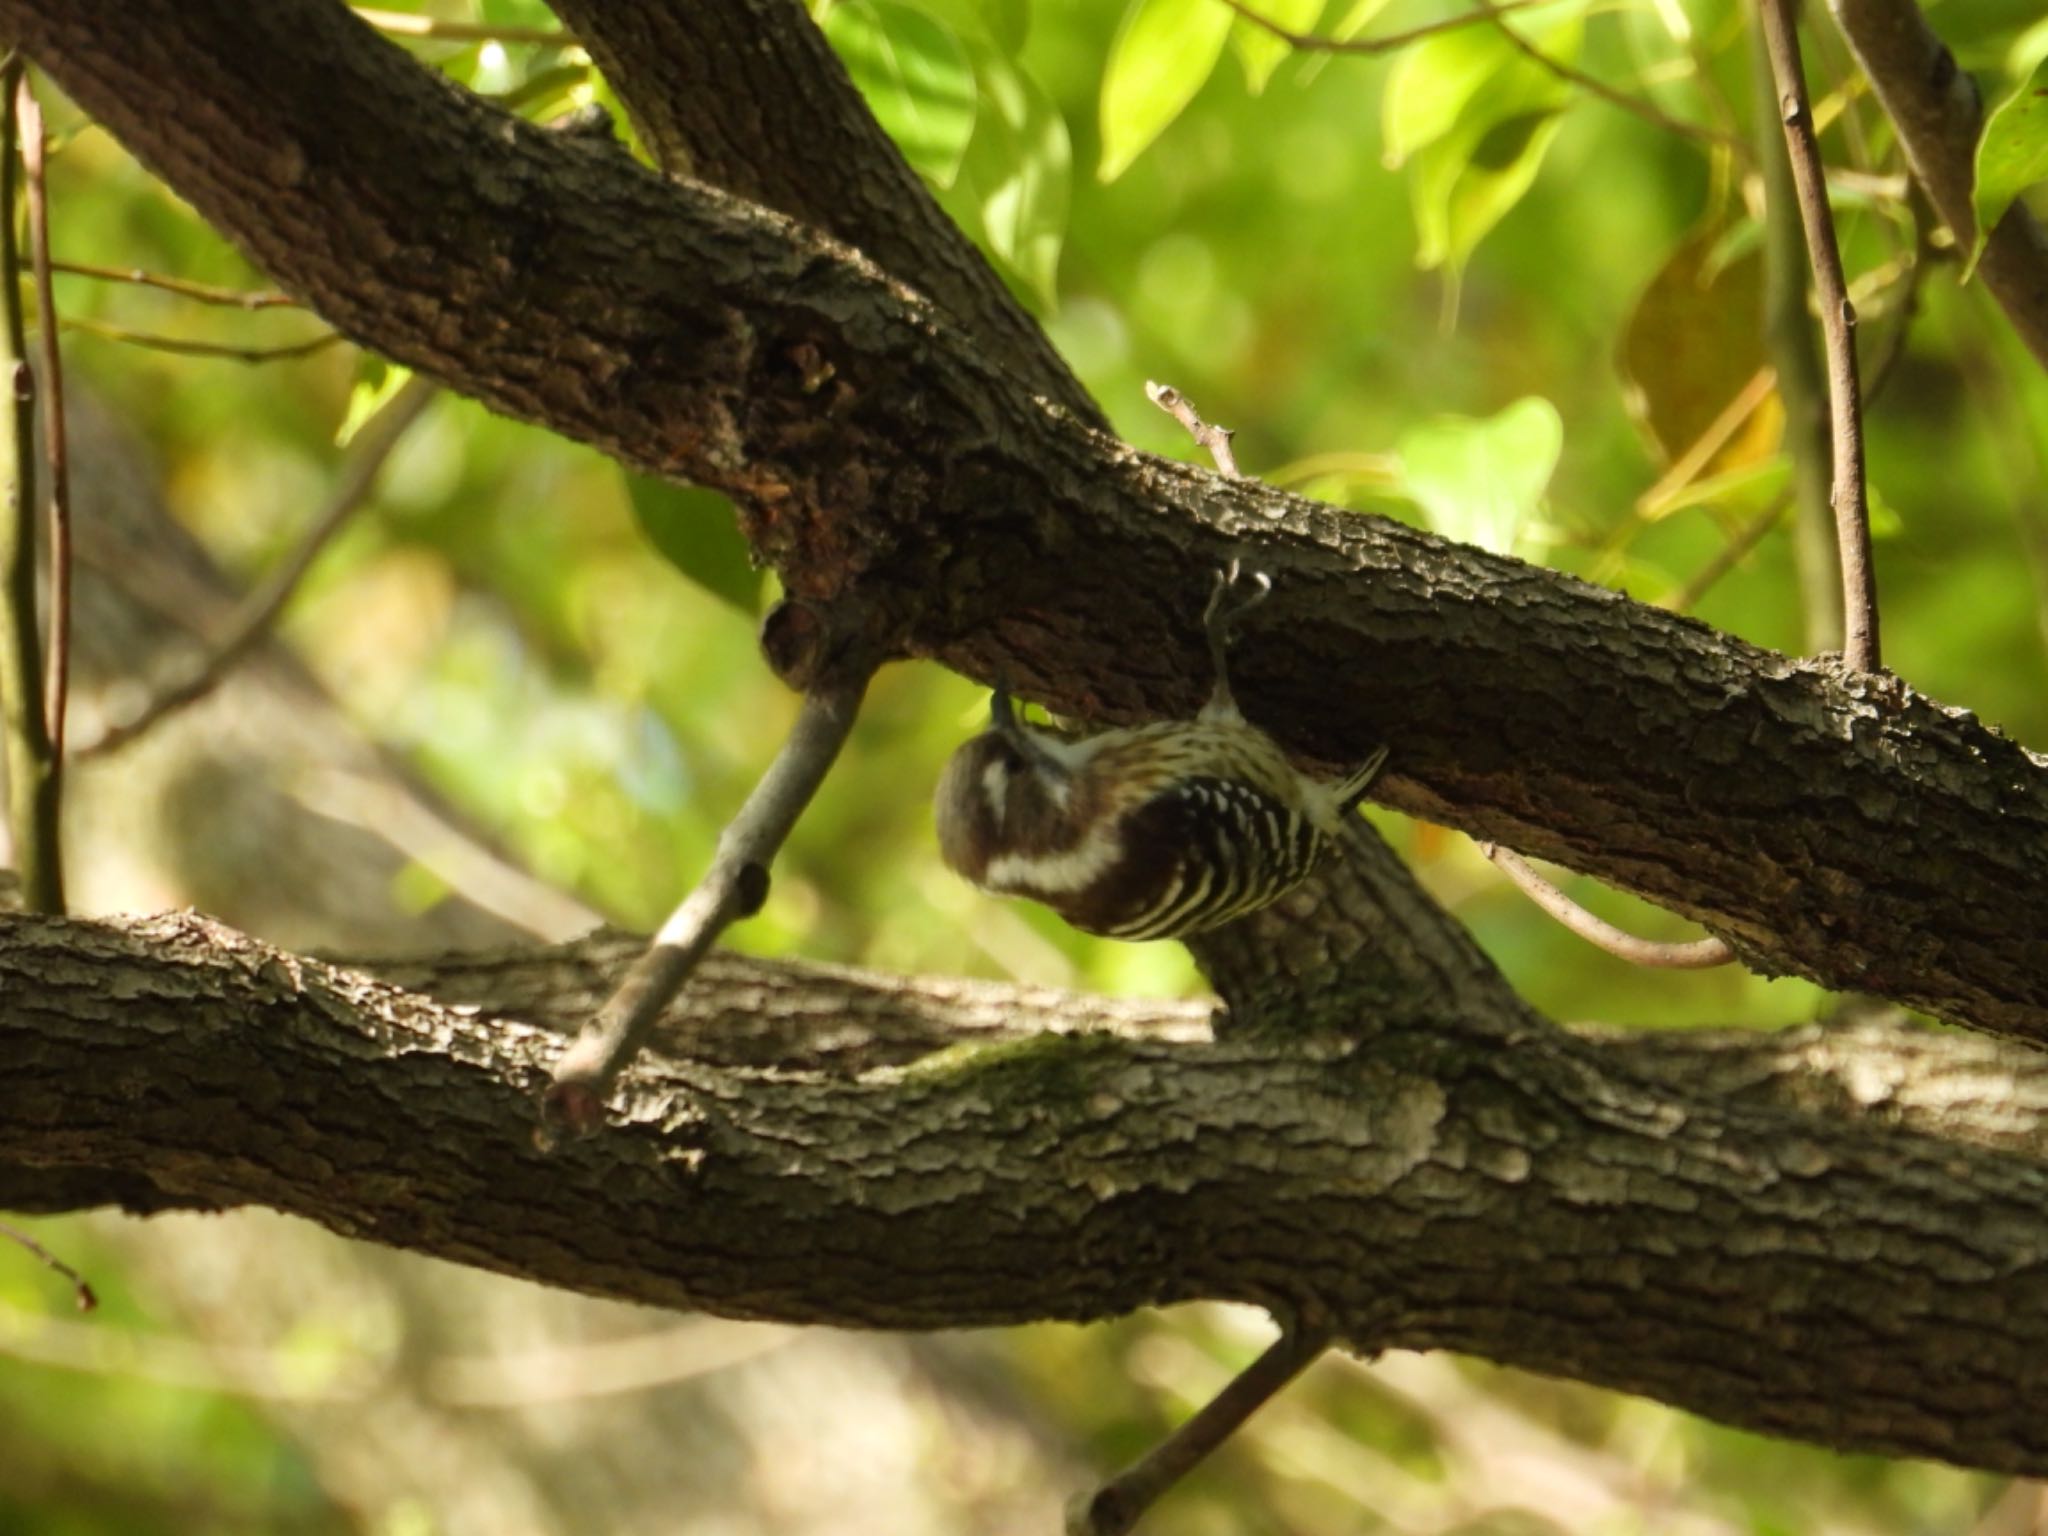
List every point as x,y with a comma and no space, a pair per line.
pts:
1783,1234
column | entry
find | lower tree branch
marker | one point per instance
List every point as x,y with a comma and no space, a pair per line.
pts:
1791,1257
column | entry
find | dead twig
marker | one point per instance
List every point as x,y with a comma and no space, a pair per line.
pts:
735,886
1697,955
1213,438
1119,1503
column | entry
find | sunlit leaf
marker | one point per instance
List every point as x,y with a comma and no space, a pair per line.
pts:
916,77
1475,125
1258,50
2013,153
1481,481
372,392
1015,180
697,534
1164,52
1431,85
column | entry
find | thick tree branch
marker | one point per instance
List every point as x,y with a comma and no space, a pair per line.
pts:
1935,107
748,96
1503,1188
1892,846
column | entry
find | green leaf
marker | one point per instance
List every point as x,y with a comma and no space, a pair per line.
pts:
1431,85
373,390
1475,121
1259,51
915,76
1018,172
696,532
2013,153
1164,52
1460,196
1481,481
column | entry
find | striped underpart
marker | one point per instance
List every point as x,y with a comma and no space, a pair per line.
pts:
1165,830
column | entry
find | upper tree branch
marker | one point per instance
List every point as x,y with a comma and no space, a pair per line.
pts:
1500,1188
1891,846
748,96
1938,114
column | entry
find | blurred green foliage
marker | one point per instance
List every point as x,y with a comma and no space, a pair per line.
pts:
1445,284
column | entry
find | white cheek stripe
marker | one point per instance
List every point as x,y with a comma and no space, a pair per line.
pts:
1055,874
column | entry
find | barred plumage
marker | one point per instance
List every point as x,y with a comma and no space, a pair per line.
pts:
1149,833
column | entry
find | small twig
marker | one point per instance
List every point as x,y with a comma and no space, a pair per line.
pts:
1692,463
380,435
1309,42
1698,955
1119,1503
204,293
1177,405
34,776
1860,645
57,681
81,1292
404,24
1647,111
184,348
1680,599
735,886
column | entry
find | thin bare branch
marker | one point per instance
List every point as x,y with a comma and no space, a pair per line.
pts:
1214,438
1681,599
81,1291
1647,111
34,776
1309,42
204,293
735,886
259,611
1860,643
56,454
186,348
1697,955
1118,1505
